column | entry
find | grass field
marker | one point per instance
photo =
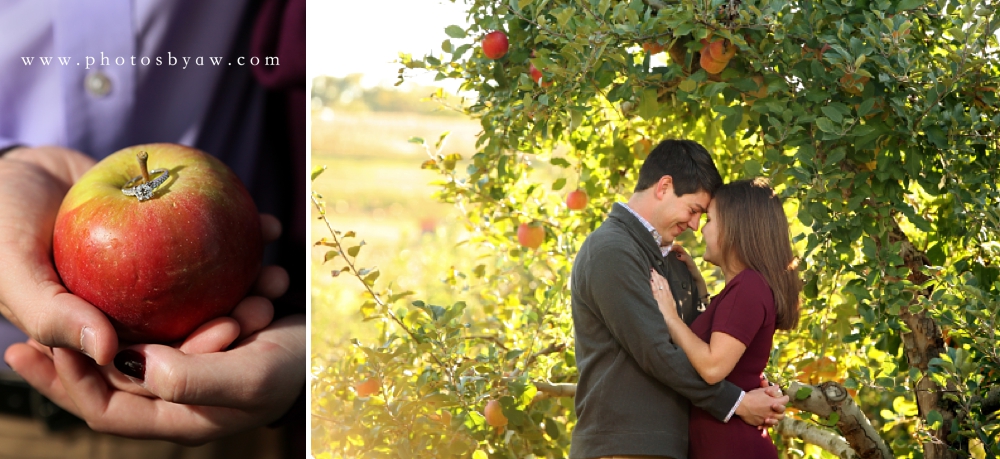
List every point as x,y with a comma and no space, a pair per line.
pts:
374,186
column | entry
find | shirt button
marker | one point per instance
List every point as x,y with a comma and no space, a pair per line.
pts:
98,84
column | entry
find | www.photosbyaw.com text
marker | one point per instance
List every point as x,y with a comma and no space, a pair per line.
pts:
170,60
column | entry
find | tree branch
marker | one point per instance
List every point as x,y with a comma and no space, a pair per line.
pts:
815,435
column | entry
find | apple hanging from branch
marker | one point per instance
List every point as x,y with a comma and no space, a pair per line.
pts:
495,45
162,251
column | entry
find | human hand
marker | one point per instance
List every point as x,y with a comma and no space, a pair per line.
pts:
664,297
763,407
196,397
33,182
678,251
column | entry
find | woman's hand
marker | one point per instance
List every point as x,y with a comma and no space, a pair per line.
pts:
664,297
699,280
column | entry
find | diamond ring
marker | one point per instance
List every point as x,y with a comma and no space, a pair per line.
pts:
144,191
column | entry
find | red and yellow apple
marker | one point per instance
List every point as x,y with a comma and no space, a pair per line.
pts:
494,414
530,235
537,76
495,45
160,267
653,47
577,199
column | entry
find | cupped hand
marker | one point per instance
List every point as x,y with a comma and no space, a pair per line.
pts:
33,182
664,297
195,397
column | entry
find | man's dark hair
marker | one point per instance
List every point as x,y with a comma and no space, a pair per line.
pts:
686,161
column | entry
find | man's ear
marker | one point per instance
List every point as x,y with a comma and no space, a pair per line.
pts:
663,186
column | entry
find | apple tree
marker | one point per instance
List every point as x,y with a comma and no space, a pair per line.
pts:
877,122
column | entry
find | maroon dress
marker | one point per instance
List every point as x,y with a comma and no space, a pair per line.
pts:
745,311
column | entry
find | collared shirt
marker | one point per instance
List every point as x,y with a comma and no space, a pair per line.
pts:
666,250
100,75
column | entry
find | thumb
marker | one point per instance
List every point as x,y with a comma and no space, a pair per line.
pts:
66,320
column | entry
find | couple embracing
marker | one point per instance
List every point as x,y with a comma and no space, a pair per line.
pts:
662,365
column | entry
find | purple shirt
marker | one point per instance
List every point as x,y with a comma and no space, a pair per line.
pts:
101,75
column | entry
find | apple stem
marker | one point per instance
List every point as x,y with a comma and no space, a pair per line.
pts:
143,157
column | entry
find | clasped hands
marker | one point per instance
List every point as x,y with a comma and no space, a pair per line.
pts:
232,374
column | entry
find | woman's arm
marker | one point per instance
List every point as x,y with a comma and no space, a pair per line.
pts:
714,360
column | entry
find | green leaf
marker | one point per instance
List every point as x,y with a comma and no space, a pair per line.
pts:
752,168
559,184
648,105
353,251
317,170
833,114
803,393
934,419
688,85
866,106
455,31
909,5
330,255
826,125
418,140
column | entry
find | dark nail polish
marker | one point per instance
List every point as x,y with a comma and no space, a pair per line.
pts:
131,363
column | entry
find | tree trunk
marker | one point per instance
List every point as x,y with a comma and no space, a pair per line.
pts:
923,343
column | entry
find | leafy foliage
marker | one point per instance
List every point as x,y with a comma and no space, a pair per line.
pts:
877,125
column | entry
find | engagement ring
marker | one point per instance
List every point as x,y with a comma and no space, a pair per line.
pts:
144,191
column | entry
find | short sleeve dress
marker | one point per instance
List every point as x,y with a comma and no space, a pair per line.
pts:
744,310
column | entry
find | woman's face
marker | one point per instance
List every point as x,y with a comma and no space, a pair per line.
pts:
710,231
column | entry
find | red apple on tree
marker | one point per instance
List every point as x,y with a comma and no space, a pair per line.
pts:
530,235
495,45
162,251
577,199
494,414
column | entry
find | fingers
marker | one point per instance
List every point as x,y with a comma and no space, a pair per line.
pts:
256,372
270,227
66,320
39,370
272,282
213,336
252,314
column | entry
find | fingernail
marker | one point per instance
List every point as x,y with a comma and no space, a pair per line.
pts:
131,363
88,342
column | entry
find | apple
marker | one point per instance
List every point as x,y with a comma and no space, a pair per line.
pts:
494,414
530,235
653,47
577,199
162,266
495,45
711,65
721,50
367,387
536,75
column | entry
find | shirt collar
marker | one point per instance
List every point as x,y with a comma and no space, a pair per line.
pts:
649,227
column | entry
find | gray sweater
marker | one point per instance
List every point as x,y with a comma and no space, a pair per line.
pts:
635,384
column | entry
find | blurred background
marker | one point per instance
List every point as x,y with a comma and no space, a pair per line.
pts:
363,125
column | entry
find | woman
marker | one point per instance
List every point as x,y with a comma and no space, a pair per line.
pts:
746,234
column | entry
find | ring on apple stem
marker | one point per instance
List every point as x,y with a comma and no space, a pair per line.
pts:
144,191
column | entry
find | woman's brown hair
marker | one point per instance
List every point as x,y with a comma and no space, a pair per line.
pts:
754,229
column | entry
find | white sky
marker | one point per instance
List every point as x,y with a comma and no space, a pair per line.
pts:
366,36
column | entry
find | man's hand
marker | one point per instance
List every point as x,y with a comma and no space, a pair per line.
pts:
764,406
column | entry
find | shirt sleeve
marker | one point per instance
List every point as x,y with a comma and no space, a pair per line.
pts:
742,312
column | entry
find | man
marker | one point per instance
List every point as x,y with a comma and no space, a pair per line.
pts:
635,384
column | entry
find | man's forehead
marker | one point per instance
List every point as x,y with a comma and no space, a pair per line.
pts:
699,200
